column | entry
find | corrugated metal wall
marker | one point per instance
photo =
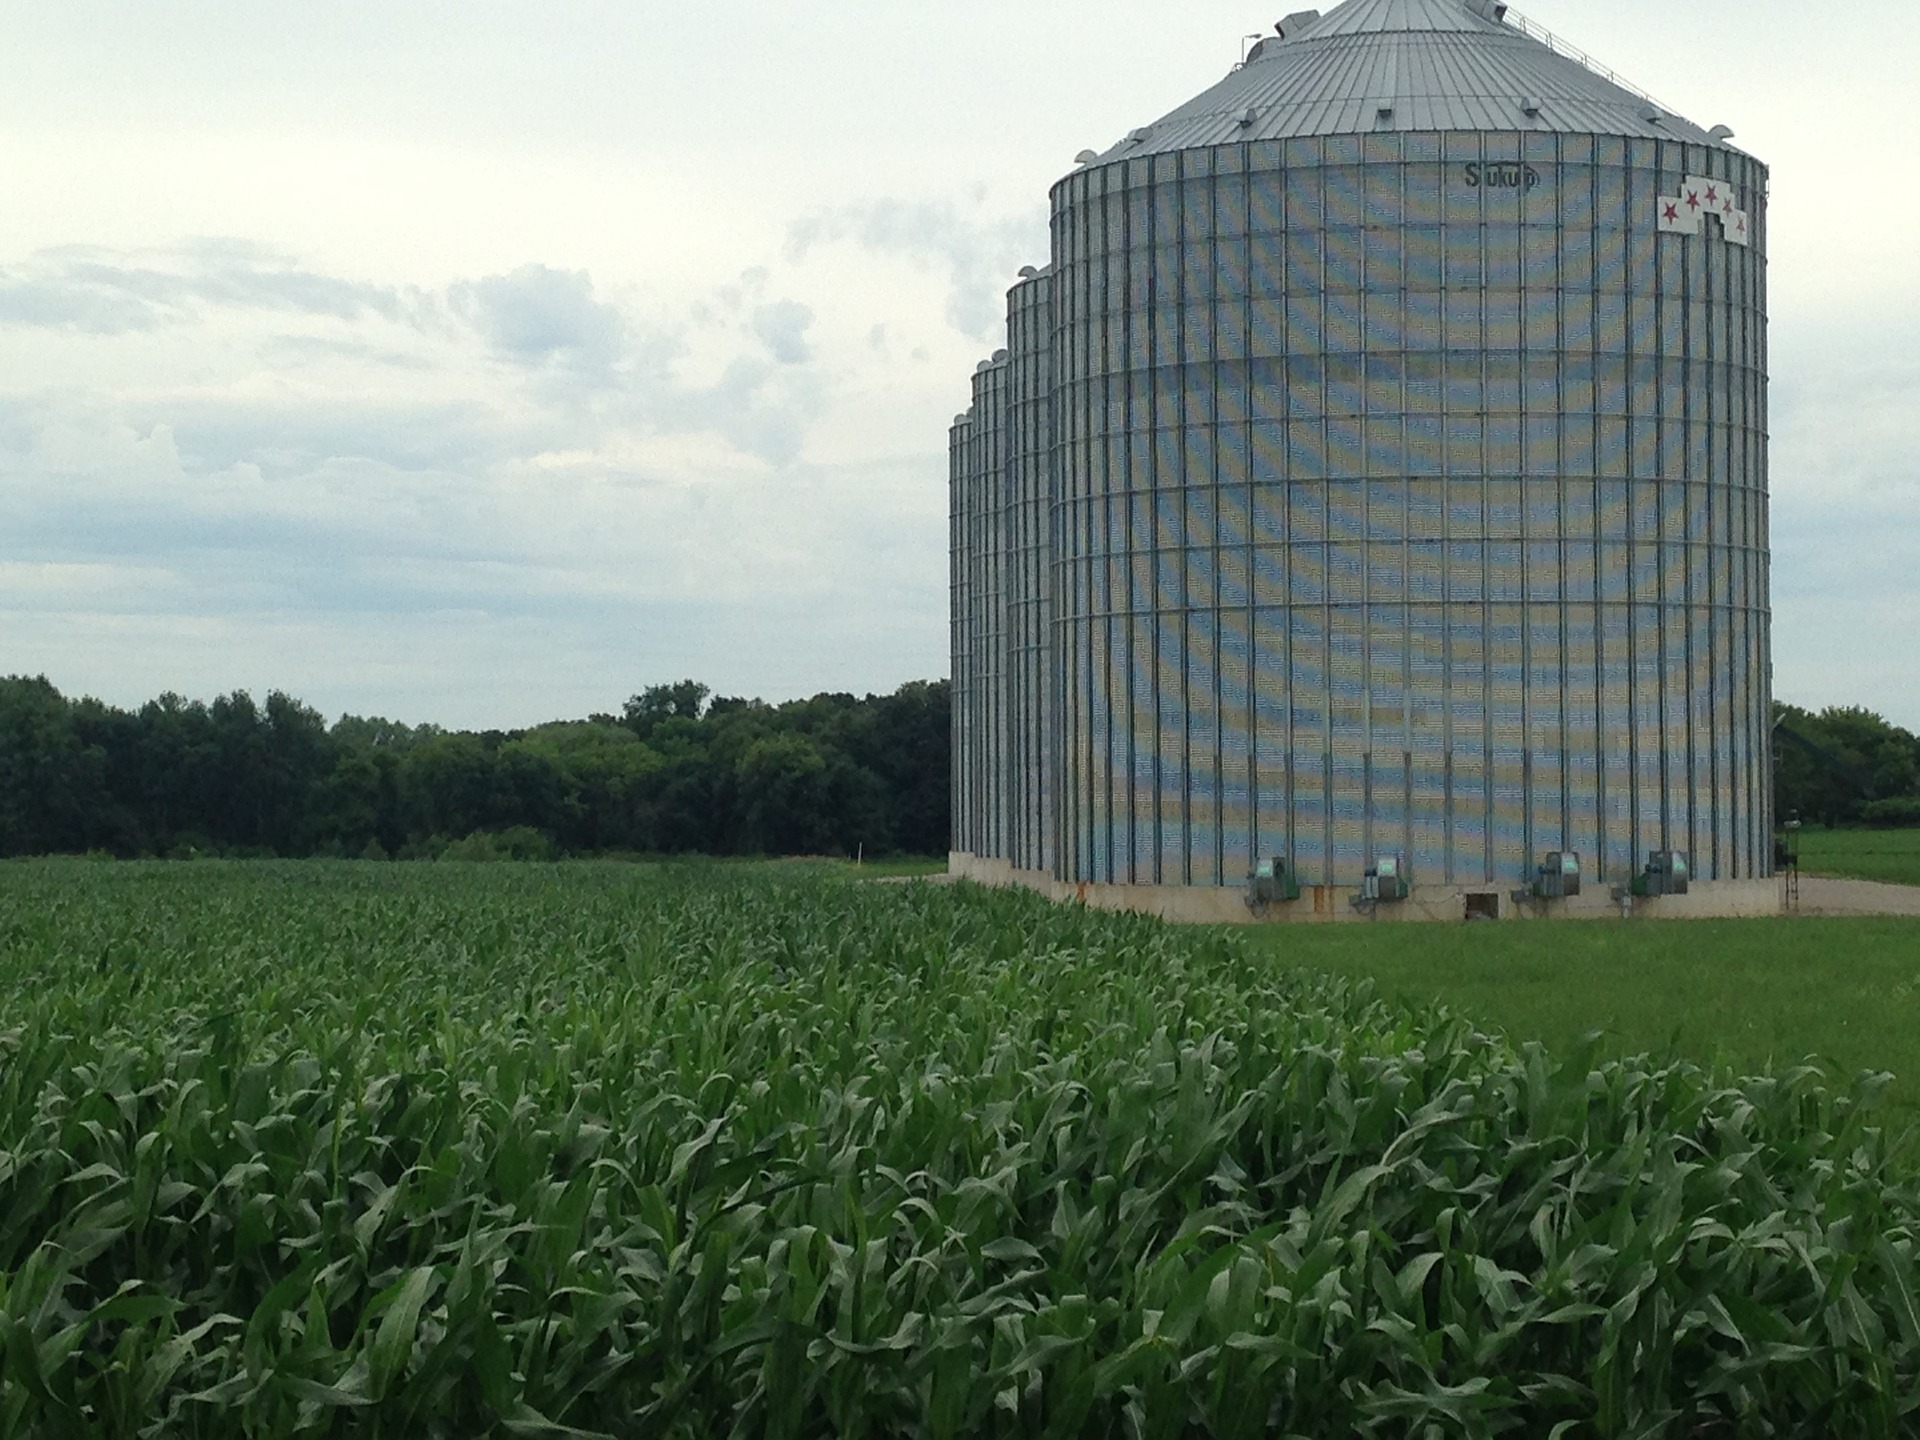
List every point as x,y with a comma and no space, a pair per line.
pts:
1028,542
1399,513
983,803
992,599
965,764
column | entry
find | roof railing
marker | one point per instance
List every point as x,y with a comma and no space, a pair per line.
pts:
1534,30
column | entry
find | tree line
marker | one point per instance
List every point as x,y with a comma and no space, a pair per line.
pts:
677,771
1844,766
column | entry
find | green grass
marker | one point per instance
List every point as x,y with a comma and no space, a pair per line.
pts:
1744,994
462,1150
896,866
907,867
1889,855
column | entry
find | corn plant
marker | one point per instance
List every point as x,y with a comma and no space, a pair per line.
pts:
310,1150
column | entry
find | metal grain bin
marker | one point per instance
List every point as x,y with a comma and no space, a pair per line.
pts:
1409,463
1027,540
965,765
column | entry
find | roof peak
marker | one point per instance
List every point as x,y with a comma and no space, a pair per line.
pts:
1373,66
1384,17
1374,17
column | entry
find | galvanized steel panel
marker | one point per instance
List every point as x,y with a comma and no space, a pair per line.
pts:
1401,492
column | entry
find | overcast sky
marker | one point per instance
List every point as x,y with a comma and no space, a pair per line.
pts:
485,362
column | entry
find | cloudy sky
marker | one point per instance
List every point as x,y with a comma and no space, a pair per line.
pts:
484,362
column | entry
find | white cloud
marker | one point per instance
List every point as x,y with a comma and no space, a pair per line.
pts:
102,293
306,460
78,453
783,326
538,315
978,252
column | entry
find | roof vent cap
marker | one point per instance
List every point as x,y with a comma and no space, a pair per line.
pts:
1027,272
1086,157
1488,10
1720,134
1296,24
1140,136
1530,106
1000,357
1249,117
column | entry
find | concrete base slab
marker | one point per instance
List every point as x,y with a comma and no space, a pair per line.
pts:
1333,904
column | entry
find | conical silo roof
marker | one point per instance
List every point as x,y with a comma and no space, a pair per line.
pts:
1396,65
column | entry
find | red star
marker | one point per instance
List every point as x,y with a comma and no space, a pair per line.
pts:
1742,226
1712,196
1673,212
1726,207
1693,200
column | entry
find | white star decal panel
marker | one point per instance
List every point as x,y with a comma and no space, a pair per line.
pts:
1700,197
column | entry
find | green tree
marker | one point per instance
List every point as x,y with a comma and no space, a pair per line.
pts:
354,804
450,786
678,771
172,775
785,796
1834,763
606,774
685,700
52,785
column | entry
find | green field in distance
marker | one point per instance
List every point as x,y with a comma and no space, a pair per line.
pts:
1889,855
1746,994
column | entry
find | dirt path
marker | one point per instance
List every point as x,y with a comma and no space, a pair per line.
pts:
1820,896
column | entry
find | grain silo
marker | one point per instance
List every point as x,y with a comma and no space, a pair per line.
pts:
1377,475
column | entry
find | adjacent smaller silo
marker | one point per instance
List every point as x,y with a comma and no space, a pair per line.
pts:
1027,543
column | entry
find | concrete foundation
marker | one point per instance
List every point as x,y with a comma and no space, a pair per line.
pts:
1333,904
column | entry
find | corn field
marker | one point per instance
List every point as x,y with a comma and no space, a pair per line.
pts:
312,1150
